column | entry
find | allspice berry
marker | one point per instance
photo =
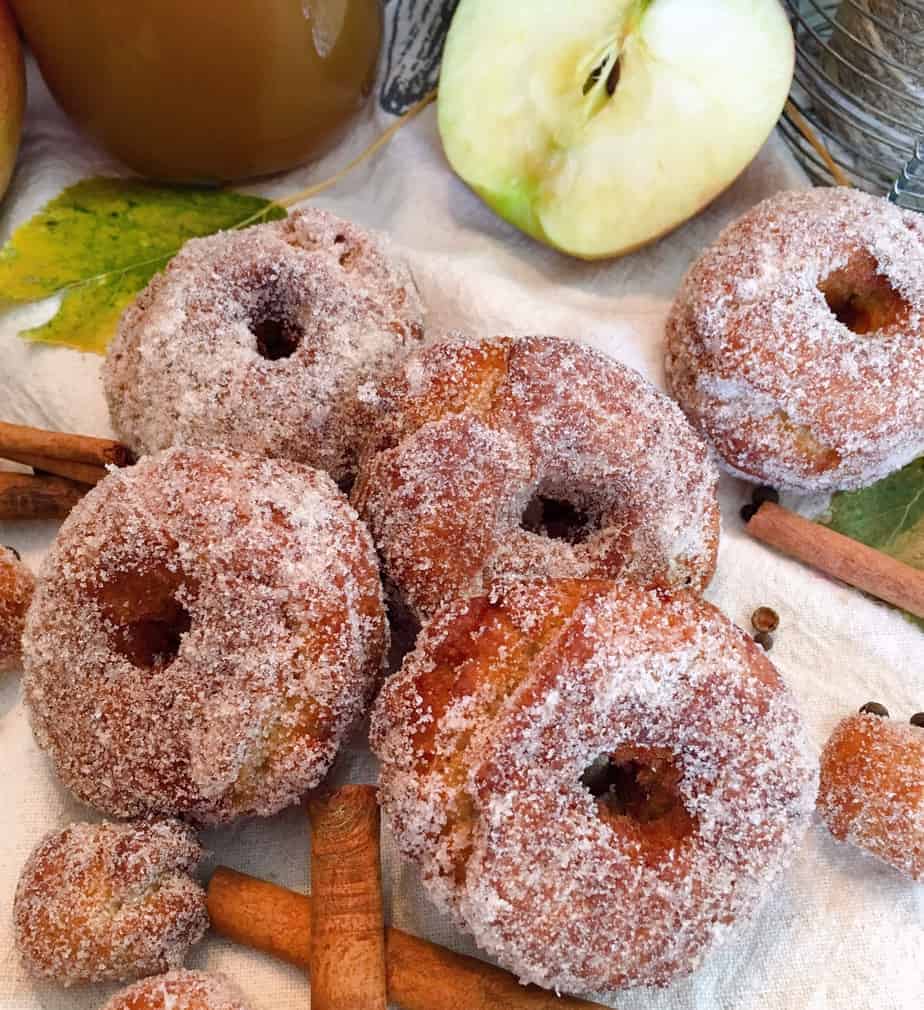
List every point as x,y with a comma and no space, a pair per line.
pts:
765,619
765,640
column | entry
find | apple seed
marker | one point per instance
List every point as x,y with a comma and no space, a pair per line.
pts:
613,78
593,77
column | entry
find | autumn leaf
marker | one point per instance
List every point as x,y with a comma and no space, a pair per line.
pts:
888,515
100,241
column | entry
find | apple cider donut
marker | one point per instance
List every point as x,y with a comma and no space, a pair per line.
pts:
795,341
16,587
179,990
256,340
206,629
110,902
597,780
517,458
872,789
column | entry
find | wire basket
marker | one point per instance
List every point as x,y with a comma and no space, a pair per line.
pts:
859,84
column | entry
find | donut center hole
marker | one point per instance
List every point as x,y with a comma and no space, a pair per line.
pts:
557,519
154,640
862,299
641,786
277,337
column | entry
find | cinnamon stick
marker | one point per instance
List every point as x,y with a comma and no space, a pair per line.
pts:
845,559
423,976
23,496
420,975
347,954
258,914
18,438
83,473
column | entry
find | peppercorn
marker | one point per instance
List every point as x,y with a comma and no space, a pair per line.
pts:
765,493
748,512
765,640
918,719
765,619
874,708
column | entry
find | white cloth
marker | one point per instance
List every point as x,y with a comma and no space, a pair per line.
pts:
840,931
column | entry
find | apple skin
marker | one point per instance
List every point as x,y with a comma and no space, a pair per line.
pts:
700,86
12,94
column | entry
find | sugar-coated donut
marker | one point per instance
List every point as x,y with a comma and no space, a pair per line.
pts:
16,588
206,629
596,780
872,789
515,458
257,340
110,902
180,990
795,341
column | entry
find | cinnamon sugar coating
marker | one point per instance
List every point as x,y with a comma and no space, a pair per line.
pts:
256,340
180,990
872,789
597,781
110,902
206,629
795,341
16,587
475,435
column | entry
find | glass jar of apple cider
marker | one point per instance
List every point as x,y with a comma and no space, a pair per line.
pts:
207,91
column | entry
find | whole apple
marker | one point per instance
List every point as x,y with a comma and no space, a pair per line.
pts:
597,126
12,94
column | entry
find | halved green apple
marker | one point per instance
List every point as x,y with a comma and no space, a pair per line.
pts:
598,125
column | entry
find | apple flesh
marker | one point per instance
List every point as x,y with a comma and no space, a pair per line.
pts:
598,125
12,94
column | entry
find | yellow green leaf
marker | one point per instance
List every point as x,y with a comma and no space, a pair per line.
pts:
100,241
888,515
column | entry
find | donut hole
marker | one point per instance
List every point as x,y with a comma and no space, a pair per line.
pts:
862,299
147,615
278,337
640,786
154,640
557,519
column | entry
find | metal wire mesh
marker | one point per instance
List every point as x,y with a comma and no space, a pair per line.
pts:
908,191
859,83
